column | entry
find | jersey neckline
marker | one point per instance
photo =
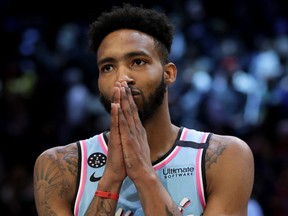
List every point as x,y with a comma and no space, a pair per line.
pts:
163,157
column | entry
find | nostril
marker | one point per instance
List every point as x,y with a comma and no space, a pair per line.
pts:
127,79
130,82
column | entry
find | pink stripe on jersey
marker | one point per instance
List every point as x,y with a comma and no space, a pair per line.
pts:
199,181
173,153
82,177
184,134
199,178
102,143
168,159
204,137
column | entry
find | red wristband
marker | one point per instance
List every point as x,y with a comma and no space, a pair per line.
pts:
106,195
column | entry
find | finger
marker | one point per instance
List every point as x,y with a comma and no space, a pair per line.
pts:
114,123
116,95
127,112
123,125
133,106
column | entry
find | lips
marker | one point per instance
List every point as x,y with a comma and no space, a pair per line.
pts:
135,92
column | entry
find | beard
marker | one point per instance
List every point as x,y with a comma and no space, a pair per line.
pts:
150,104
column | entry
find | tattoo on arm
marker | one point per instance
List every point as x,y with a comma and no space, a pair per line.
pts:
105,208
49,179
213,153
71,159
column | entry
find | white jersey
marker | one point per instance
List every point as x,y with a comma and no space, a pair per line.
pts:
181,171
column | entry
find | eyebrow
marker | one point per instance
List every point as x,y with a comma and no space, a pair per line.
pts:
104,60
126,56
135,53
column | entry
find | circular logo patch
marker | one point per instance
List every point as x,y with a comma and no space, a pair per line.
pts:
97,160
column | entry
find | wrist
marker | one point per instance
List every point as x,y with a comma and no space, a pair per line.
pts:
146,181
107,184
106,195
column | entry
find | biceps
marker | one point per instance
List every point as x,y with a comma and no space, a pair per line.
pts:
229,183
50,188
53,207
227,203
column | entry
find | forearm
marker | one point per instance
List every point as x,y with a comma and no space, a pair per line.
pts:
104,206
154,198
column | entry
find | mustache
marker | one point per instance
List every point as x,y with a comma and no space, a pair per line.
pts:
133,90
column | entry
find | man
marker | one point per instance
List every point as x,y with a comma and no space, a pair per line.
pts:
144,165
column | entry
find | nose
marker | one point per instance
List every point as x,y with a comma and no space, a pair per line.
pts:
125,76
126,79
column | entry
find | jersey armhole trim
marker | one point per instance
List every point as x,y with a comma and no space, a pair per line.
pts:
81,178
78,172
203,162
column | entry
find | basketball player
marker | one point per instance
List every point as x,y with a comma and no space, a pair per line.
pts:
144,164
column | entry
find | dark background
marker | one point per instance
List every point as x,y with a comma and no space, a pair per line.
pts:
232,59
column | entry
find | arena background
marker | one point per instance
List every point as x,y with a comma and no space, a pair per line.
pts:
232,59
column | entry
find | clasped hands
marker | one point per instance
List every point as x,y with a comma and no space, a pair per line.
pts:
128,149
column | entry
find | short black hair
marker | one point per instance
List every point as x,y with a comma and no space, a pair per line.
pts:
149,21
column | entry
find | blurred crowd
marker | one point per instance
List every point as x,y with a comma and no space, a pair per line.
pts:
232,79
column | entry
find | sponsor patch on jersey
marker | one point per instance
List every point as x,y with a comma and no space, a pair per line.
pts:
176,172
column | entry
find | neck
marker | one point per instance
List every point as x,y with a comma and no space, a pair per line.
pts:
161,133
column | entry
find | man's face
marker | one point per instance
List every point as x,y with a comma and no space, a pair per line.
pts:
129,55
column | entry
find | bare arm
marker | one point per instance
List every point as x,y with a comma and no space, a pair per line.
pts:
154,198
55,173
114,172
103,206
54,180
230,176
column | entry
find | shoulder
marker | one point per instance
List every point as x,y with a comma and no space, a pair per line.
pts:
229,163
59,154
229,148
64,157
57,167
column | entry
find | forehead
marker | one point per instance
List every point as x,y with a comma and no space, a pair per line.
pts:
126,40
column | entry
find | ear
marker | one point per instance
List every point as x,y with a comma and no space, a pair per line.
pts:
170,73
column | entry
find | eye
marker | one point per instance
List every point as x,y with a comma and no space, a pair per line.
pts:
106,68
139,62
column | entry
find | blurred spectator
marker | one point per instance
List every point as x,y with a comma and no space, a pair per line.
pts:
254,208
